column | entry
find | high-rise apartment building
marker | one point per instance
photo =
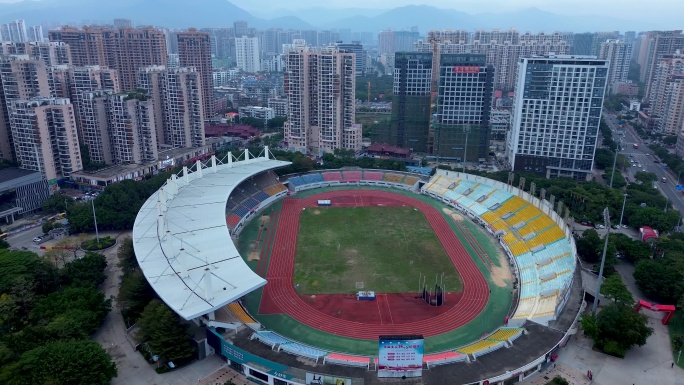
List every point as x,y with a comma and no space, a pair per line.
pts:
396,41
45,139
619,55
247,53
666,94
194,50
240,28
52,53
410,120
35,33
14,31
556,115
123,49
176,96
463,108
132,128
582,43
95,126
320,85
655,45
21,78
503,49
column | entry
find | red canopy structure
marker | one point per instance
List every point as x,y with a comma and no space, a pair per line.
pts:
667,309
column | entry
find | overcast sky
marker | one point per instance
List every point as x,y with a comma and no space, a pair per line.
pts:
628,9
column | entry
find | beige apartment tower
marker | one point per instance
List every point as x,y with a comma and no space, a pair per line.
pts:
666,94
176,94
123,49
194,50
21,78
320,85
132,134
45,140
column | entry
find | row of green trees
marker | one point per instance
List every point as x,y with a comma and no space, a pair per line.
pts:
160,330
47,316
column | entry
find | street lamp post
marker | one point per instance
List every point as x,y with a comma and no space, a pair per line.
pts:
617,151
97,234
624,200
679,177
606,217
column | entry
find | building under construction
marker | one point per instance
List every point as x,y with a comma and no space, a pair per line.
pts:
411,104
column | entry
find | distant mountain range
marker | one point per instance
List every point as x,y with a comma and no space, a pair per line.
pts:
222,13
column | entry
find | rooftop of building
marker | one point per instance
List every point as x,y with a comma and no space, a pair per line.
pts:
10,173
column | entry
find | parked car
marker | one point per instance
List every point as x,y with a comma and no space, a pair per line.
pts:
37,239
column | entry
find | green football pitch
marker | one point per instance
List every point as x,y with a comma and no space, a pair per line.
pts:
384,249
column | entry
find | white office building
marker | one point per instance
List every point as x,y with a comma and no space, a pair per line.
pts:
247,53
556,115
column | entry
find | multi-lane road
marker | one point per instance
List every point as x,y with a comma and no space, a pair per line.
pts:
645,157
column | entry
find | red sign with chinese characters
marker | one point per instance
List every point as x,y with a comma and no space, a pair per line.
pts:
466,70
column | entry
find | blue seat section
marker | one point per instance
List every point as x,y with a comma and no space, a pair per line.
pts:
241,211
525,260
500,196
251,203
529,289
272,338
464,186
303,350
261,196
312,178
297,181
480,191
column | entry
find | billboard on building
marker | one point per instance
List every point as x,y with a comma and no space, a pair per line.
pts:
400,356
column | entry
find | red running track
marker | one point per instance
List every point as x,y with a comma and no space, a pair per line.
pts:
279,295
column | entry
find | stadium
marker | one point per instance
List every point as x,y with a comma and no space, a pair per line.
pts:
303,279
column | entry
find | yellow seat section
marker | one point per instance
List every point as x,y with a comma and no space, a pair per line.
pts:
489,217
240,313
504,334
510,238
477,346
518,248
511,205
546,238
524,215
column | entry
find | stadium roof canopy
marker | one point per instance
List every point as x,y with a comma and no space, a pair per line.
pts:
182,242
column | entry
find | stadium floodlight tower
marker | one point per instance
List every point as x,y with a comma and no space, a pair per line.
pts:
606,219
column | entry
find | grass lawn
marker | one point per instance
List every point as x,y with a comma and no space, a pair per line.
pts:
384,247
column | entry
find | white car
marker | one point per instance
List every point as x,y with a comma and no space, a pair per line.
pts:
37,239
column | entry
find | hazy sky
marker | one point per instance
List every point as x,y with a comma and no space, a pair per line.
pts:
625,9
629,9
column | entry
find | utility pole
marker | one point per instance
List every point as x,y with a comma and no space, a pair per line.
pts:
606,219
624,200
465,148
617,151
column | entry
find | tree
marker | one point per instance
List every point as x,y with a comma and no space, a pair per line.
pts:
658,281
616,329
126,255
558,380
25,265
135,294
613,288
588,246
87,299
656,218
645,177
57,203
618,179
164,332
47,226
87,271
4,244
72,362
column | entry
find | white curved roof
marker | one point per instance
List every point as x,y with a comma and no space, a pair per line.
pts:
182,242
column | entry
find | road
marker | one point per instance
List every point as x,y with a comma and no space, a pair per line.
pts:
644,156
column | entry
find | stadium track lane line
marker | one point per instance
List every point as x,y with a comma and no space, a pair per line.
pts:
475,289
